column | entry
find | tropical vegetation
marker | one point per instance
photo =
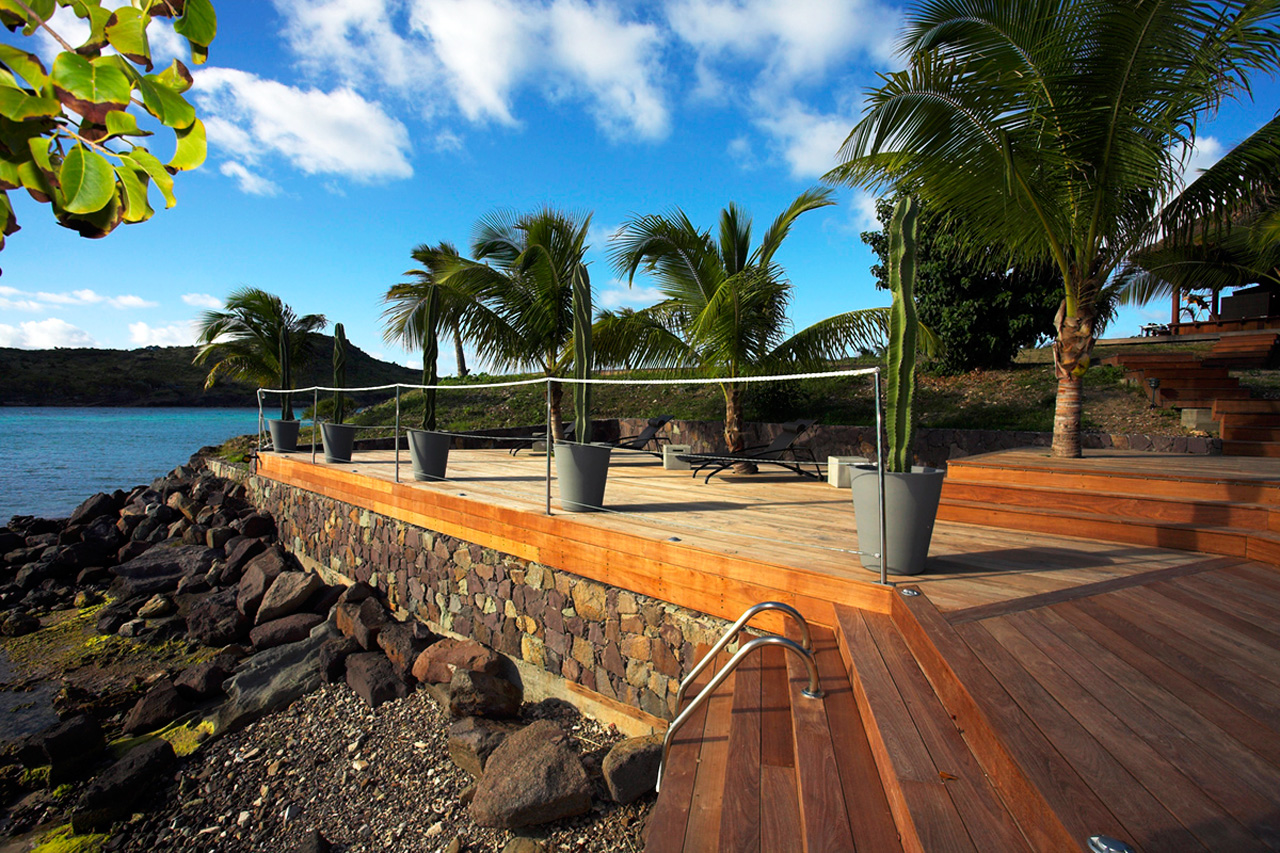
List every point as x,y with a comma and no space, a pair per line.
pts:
1056,129
259,338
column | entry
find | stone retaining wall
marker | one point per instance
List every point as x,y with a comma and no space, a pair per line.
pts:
622,645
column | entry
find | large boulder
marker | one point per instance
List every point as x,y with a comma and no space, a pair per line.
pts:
374,679
287,593
631,768
533,777
68,748
286,629
438,663
333,658
159,569
203,680
93,507
214,619
112,794
363,621
478,694
403,642
259,574
239,551
472,740
159,706
274,678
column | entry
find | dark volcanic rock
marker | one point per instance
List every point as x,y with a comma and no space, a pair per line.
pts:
288,592
259,574
374,679
533,777
204,679
160,569
333,658
478,694
240,551
272,679
472,740
215,621
286,629
258,524
362,621
162,704
112,794
132,550
68,748
17,624
357,593
314,842
403,642
631,768
437,664
94,507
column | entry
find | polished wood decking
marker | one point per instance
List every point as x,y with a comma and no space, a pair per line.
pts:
1039,689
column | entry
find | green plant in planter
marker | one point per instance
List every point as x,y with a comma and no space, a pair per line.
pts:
900,388
339,371
583,353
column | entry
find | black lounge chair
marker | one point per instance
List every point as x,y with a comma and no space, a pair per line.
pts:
775,452
530,441
649,435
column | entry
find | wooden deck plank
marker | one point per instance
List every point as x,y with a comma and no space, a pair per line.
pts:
780,828
740,818
703,829
1225,613
1235,594
665,826
776,748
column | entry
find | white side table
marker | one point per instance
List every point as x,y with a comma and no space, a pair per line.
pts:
670,452
838,469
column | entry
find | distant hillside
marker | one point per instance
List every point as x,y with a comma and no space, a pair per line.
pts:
158,376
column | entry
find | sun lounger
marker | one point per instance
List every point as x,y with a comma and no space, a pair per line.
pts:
531,440
781,451
647,436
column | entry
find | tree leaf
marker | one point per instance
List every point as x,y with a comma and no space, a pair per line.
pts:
148,162
8,221
15,16
17,105
176,77
97,18
91,89
126,31
88,181
165,104
42,158
133,182
97,224
25,65
191,149
122,123
199,23
9,179
35,182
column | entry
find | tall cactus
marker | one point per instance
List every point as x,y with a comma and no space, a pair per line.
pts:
903,331
583,352
339,371
430,354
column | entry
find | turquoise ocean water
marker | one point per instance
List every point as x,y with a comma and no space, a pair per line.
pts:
51,459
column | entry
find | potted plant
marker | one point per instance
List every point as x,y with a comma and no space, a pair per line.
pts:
582,467
339,438
428,449
911,493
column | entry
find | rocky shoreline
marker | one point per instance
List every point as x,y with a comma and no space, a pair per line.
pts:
215,696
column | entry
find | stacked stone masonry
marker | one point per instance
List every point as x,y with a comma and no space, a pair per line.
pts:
625,646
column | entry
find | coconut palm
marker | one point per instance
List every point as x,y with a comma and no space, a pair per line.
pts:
1056,128
258,338
523,319
725,306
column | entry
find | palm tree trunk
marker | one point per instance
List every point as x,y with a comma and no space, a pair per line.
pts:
557,393
457,351
733,439
1071,353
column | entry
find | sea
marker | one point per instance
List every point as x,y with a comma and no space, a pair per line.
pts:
52,458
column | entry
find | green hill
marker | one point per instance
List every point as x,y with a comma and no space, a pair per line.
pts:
158,376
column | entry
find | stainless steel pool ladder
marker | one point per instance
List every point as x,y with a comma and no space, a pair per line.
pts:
804,649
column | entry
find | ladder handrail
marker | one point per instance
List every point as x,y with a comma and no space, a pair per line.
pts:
734,629
813,691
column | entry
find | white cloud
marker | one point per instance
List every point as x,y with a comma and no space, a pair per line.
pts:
131,301
173,335
616,294
8,304
328,133
44,334
202,300
250,182
1207,151
807,140
75,297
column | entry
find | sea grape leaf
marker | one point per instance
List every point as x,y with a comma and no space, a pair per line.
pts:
133,182
35,182
121,123
97,18
42,158
9,179
43,10
126,30
98,223
90,88
10,222
176,77
88,181
25,65
198,24
164,103
18,105
191,148
150,164
162,8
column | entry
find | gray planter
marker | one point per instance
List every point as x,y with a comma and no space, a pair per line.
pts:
582,470
910,506
339,439
429,452
284,435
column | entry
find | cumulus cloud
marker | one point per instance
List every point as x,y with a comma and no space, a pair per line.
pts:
25,301
44,334
21,303
1207,151
249,182
616,294
173,335
202,300
807,140
326,133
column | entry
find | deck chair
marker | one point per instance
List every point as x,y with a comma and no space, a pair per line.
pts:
530,441
647,436
781,451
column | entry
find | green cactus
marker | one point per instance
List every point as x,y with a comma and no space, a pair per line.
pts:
900,388
430,354
339,371
583,353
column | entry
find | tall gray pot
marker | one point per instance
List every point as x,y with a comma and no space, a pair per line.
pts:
284,435
429,452
910,507
582,470
339,440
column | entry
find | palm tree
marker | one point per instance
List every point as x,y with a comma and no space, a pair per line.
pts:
1054,128
258,338
725,305
418,308
523,317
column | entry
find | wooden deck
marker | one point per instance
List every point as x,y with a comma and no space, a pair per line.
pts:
1039,689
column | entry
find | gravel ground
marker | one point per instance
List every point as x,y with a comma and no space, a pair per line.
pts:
369,780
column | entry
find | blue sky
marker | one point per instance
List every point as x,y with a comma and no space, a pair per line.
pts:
345,132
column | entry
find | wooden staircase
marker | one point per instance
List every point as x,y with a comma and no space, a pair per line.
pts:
1144,505
1249,427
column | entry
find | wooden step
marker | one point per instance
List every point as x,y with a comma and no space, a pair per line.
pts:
1248,516
1170,374
1251,433
1269,449
1188,382
1247,406
941,798
1181,396
1249,419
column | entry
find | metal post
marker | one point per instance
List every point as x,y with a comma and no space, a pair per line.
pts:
315,413
261,422
880,466
397,433
549,441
